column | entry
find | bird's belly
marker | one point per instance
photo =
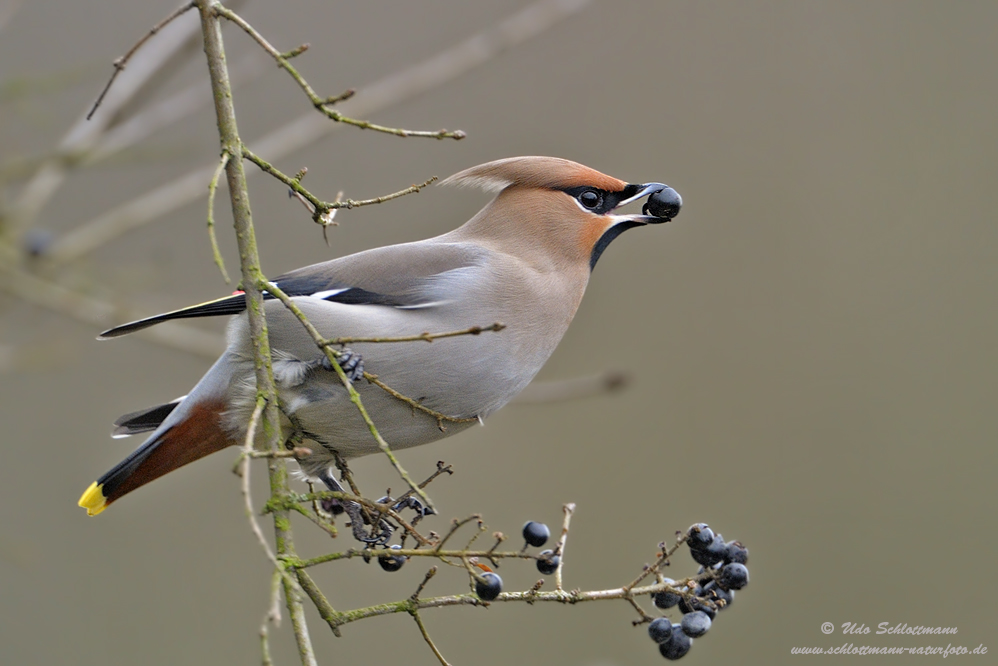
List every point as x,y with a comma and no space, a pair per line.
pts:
465,378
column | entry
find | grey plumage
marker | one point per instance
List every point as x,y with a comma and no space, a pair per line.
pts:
524,260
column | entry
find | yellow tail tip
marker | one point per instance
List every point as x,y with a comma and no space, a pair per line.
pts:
93,499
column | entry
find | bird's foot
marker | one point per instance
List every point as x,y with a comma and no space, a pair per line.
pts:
409,502
380,535
357,522
351,362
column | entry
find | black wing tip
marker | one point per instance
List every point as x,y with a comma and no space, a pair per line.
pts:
125,329
227,305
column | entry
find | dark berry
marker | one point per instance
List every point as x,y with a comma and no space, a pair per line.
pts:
665,600
715,592
712,554
700,536
693,604
734,576
660,630
489,586
547,562
393,563
536,534
677,646
695,624
736,553
664,203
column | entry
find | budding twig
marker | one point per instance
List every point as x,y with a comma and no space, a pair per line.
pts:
427,337
322,103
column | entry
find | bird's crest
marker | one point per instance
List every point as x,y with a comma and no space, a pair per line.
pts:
547,172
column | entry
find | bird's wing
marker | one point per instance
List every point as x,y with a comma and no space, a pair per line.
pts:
397,275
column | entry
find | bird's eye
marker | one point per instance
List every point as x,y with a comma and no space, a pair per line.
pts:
590,199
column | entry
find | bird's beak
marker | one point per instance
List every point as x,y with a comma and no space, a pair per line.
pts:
663,203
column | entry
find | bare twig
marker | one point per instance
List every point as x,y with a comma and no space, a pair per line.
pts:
326,610
559,549
441,469
529,596
212,186
426,579
244,473
297,452
415,404
120,63
165,112
454,527
273,616
322,103
322,210
427,337
426,637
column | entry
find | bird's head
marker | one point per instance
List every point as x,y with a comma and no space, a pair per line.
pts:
560,207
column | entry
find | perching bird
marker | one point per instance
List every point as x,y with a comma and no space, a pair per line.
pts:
523,260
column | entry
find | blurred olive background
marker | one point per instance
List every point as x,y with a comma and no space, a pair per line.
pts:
812,341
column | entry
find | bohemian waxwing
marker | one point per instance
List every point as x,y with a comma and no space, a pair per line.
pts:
523,260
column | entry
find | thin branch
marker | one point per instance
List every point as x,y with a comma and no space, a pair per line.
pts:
296,453
212,186
407,552
336,619
559,550
316,519
244,473
252,276
321,210
166,112
120,63
426,637
441,469
415,404
426,579
663,558
454,527
326,610
427,337
322,103
273,616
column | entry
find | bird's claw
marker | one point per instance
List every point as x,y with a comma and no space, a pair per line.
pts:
350,361
409,502
357,522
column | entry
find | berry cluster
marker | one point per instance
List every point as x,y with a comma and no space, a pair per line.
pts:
722,571
537,534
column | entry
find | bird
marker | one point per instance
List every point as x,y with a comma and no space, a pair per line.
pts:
524,260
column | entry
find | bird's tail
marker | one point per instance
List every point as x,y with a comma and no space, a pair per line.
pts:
198,432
